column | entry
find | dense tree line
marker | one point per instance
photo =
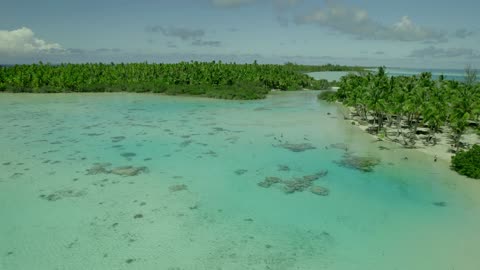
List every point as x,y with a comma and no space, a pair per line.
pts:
397,107
214,79
410,102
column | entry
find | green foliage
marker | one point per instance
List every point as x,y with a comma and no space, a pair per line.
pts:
320,85
327,95
218,80
412,102
420,99
468,162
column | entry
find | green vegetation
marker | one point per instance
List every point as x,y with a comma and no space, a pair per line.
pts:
410,103
215,79
327,95
404,109
468,162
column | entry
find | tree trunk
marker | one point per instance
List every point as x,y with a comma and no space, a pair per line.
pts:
399,124
431,137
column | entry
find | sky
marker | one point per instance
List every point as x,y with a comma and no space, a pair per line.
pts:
406,33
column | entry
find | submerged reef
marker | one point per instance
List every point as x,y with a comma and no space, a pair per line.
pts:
98,168
340,146
60,194
297,184
364,164
178,187
241,171
269,181
186,143
296,147
210,153
128,155
118,139
352,161
315,176
322,191
128,170
440,204
104,168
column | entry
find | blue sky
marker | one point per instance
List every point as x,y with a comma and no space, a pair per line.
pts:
407,33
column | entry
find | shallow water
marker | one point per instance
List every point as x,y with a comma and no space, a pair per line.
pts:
328,75
195,202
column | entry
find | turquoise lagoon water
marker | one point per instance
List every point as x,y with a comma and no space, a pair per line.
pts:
328,75
196,202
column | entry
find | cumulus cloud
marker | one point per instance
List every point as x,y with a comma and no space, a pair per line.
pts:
177,32
357,22
23,41
435,52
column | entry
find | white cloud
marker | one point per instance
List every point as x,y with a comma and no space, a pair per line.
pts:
406,30
23,41
356,22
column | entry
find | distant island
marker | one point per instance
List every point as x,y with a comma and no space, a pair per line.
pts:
212,79
442,115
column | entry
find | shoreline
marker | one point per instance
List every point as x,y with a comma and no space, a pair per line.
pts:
441,150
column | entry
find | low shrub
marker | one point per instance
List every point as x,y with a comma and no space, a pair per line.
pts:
327,95
468,162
